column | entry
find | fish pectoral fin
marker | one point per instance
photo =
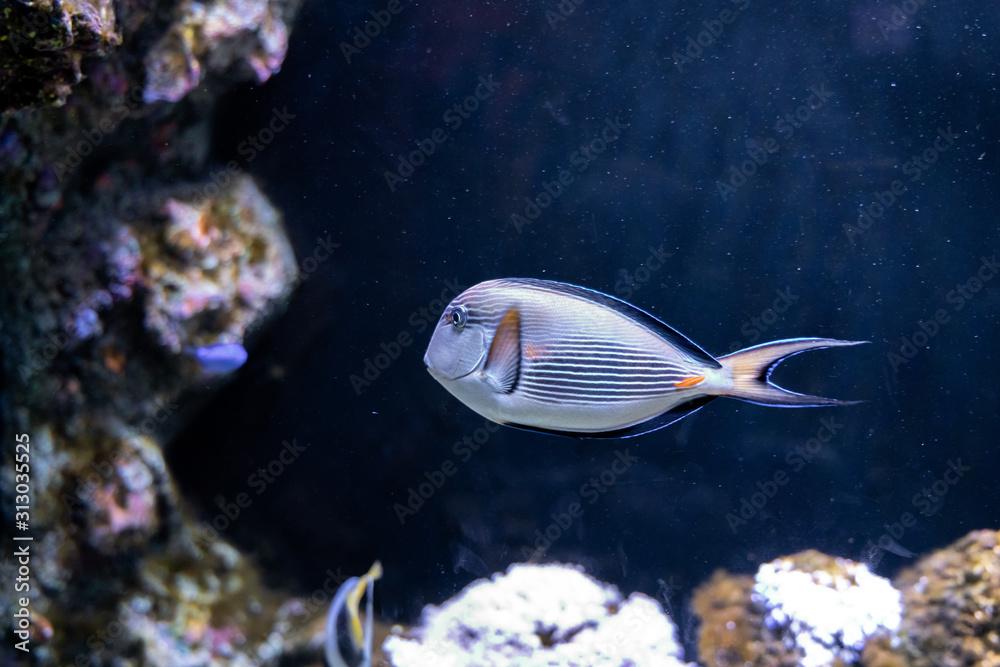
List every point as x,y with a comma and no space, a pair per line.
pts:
503,363
692,381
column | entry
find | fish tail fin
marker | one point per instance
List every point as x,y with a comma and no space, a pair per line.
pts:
751,370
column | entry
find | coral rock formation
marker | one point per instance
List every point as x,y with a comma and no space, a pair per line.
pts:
951,607
139,276
731,628
805,609
96,403
212,37
213,266
539,615
43,43
827,608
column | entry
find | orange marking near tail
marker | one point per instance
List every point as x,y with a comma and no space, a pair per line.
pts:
533,351
690,382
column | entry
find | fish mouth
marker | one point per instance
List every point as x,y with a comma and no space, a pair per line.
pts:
441,377
430,369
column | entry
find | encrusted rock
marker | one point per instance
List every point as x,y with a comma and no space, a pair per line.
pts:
42,44
826,607
808,609
139,270
206,605
539,615
217,265
952,605
213,36
731,627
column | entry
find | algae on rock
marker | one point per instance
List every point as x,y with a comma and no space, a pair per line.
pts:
124,254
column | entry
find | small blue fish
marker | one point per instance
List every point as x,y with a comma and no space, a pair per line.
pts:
348,643
219,358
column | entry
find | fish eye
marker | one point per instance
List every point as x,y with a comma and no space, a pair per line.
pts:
459,316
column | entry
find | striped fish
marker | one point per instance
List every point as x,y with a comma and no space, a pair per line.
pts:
349,643
557,358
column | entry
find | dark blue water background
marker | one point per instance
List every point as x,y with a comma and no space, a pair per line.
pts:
840,97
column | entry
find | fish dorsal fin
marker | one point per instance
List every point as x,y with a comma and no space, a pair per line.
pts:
354,600
356,640
503,363
647,320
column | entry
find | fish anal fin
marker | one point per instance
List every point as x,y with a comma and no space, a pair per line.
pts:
503,362
663,420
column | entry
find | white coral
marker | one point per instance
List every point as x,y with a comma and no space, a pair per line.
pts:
538,615
828,616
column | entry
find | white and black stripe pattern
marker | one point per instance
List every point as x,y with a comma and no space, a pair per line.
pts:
589,364
485,307
598,371
579,363
678,342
